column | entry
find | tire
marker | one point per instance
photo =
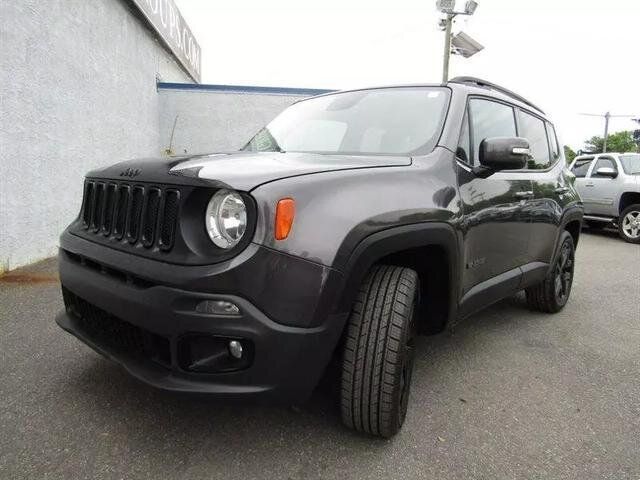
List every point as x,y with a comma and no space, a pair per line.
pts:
629,224
379,352
552,294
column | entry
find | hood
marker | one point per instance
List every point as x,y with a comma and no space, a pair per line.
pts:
240,170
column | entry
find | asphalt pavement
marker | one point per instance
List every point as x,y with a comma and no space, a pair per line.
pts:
508,394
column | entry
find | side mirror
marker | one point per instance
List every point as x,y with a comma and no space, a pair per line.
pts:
606,172
504,153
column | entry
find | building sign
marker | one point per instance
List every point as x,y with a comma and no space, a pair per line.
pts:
166,19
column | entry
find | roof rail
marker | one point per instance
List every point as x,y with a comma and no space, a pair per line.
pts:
486,83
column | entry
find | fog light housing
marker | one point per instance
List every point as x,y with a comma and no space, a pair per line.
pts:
217,307
212,354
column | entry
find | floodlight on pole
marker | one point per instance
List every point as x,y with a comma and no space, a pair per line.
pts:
448,7
464,45
470,7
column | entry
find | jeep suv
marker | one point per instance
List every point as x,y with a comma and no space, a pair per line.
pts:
609,184
349,224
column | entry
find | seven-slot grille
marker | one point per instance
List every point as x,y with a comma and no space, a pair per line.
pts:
133,213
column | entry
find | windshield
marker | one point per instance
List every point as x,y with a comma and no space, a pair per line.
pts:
631,163
388,121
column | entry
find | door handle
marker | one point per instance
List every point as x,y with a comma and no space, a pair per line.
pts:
561,190
588,184
524,194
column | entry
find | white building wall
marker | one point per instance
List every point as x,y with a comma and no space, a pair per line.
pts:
77,91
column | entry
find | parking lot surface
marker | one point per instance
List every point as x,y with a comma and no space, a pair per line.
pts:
508,394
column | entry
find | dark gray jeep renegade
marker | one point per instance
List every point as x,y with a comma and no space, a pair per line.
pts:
351,223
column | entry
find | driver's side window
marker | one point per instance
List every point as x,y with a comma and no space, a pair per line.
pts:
603,162
489,119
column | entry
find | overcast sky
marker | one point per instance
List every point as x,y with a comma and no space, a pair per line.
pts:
567,56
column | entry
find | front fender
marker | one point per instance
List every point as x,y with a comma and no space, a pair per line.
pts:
335,211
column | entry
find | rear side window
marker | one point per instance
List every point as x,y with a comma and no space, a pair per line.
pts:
489,119
533,129
581,167
553,143
607,162
631,163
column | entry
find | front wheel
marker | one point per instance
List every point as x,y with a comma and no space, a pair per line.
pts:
378,352
552,294
629,224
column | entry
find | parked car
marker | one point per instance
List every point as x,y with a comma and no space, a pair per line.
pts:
350,223
609,184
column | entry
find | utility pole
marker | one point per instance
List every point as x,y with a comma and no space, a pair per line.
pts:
606,131
606,116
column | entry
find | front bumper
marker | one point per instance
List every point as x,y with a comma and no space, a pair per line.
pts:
287,361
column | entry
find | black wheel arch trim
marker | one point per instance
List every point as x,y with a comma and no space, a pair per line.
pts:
380,244
574,213
571,214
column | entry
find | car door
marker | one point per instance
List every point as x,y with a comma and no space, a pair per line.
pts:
600,190
495,223
551,187
580,168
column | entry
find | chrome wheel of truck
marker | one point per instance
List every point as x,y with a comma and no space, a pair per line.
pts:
629,225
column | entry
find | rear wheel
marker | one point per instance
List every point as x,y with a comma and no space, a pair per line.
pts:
629,224
552,294
379,351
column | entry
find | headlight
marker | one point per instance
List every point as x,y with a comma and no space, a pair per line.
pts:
226,218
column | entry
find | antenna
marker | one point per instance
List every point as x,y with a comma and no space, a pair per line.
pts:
169,151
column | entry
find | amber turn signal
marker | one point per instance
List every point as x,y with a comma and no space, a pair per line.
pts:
285,211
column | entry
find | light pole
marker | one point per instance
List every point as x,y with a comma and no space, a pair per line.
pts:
448,8
606,131
447,47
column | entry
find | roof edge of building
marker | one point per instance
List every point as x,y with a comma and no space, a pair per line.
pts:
250,89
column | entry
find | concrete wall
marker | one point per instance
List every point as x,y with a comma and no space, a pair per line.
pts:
207,120
77,91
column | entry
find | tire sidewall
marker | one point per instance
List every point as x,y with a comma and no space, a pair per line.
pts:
409,333
625,212
564,239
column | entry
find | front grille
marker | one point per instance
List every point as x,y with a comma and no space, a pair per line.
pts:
145,215
106,330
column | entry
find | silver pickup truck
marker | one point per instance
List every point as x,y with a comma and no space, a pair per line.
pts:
609,184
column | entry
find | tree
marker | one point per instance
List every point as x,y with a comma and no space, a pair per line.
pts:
569,154
616,142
